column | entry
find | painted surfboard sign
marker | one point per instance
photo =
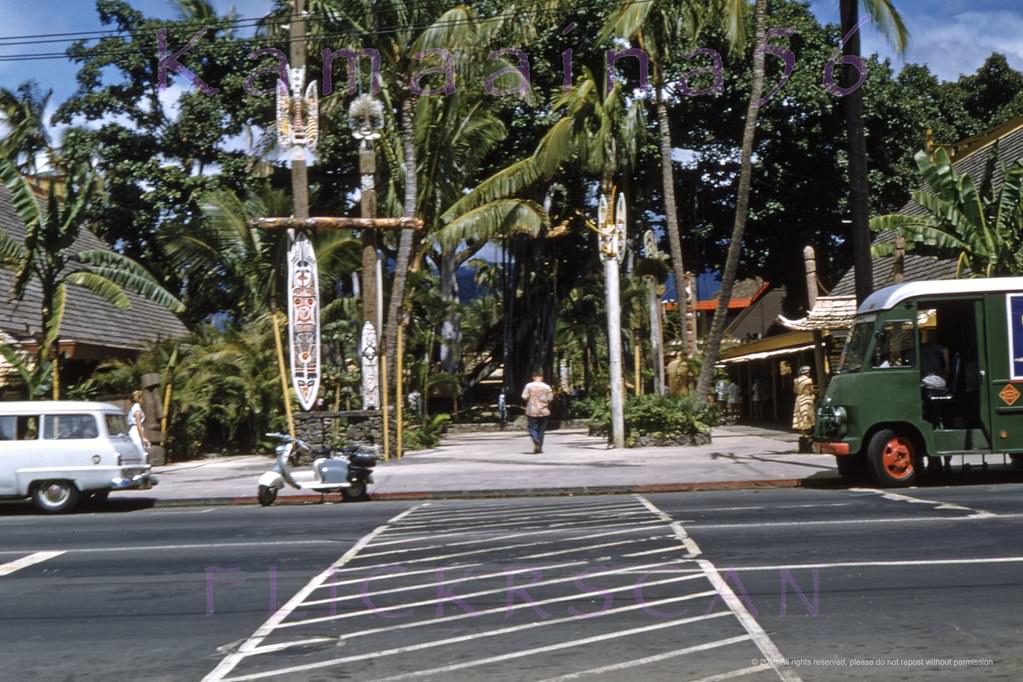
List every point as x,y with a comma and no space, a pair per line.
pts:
370,381
304,321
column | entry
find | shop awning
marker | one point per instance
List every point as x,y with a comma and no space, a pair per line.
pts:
780,344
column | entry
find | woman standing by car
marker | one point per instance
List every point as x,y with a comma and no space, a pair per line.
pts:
136,417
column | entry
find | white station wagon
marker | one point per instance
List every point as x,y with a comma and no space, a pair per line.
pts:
57,451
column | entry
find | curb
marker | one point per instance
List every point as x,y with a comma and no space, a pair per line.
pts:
498,493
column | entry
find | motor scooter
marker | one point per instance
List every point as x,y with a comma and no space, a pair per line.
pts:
347,471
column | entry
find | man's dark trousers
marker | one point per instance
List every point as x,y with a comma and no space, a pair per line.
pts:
536,429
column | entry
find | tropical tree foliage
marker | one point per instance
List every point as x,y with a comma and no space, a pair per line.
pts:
49,258
981,227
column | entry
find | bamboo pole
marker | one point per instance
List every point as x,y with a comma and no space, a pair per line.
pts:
167,391
338,223
282,368
637,358
399,402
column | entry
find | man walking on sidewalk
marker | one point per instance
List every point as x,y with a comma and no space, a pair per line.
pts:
538,396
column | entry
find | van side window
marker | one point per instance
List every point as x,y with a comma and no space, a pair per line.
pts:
896,343
67,426
9,428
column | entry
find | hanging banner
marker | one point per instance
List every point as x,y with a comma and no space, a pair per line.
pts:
304,321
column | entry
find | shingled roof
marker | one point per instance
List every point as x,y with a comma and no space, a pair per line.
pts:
88,319
969,157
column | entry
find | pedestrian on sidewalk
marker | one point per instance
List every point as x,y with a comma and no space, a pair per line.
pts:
135,419
538,396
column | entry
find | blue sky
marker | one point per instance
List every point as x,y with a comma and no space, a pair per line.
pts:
950,36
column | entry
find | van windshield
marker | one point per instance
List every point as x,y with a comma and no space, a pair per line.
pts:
855,350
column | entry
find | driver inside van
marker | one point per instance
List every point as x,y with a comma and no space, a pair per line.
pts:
933,363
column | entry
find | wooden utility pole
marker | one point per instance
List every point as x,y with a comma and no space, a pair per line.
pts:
296,62
810,265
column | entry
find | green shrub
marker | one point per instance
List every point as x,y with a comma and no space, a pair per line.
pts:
658,420
426,433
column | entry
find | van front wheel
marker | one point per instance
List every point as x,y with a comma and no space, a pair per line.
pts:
55,497
893,458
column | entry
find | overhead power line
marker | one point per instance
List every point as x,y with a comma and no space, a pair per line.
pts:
261,41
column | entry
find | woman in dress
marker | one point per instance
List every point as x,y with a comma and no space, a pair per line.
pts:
136,417
802,413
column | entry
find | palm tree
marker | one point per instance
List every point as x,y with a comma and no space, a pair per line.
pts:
887,19
981,228
48,258
661,27
717,326
21,112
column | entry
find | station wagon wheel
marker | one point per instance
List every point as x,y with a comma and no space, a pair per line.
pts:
893,459
55,497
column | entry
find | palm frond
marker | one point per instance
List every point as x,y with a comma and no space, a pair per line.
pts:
52,331
127,273
101,286
502,216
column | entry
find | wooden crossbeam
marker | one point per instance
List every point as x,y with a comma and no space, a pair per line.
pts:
338,223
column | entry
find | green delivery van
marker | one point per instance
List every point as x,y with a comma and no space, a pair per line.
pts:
930,370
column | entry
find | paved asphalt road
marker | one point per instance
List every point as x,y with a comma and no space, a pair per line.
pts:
790,584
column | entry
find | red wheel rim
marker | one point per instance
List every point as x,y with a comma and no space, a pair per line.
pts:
897,457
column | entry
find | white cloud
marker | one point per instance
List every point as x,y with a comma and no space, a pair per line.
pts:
957,44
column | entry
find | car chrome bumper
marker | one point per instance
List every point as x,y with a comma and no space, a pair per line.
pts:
143,481
831,448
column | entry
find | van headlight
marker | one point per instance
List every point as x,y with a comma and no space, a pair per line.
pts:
840,416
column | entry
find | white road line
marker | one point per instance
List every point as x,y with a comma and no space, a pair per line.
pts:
445,512
732,674
512,525
548,648
447,518
543,555
269,544
851,522
426,602
440,583
26,561
375,655
937,504
760,638
400,574
492,550
516,607
511,518
628,665
673,548
691,547
882,564
625,528
274,648
232,660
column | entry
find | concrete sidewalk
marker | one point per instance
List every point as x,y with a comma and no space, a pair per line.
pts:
502,464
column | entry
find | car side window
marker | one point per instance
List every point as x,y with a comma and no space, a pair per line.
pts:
69,426
896,345
27,428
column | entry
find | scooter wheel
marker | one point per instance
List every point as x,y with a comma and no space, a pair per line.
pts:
356,492
266,495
